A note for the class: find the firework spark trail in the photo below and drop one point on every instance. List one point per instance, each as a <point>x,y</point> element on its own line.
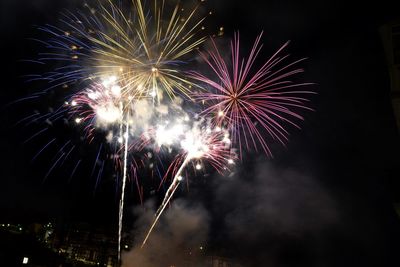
<point>168,195</point>
<point>122,200</point>
<point>200,142</point>
<point>175,182</point>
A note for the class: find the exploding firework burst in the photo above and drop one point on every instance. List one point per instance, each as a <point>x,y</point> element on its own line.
<point>250,101</point>
<point>145,50</point>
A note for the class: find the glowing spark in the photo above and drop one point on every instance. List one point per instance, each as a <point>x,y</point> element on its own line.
<point>153,93</point>
<point>93,95</point>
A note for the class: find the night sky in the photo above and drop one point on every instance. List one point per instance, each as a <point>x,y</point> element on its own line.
<point>324,200</point>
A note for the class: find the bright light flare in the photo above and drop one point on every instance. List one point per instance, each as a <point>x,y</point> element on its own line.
<point>108,113</point>
<point>116,90</point>
<point>167,136</point>
<point>193,144</point>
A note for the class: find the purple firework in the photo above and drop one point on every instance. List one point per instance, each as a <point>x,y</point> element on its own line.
<point>252,102</point>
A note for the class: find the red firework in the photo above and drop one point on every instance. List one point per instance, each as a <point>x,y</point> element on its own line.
<point>252,102</point>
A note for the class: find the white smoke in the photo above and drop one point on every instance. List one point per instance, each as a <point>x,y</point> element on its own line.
<point>175,240</point>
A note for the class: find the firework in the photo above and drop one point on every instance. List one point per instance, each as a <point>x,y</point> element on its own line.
<point>164,45</point>
<point>200,142</point>
<point>143,49</point>
<point>252,102</point>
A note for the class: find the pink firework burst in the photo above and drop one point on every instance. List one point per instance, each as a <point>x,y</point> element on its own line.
<point>253,103</point>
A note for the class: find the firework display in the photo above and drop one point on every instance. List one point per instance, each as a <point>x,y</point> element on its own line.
<point>130,73</point>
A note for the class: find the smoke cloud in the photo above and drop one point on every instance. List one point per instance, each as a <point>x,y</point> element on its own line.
<point>182,230</point>
<point>278,209</point>
<point>282,199</point>
<point>285,212</point>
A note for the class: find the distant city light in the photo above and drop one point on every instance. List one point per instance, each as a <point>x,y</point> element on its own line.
<point>25,260</point>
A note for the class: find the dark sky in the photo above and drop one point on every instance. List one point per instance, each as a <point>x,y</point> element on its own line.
<point>325,200</point>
